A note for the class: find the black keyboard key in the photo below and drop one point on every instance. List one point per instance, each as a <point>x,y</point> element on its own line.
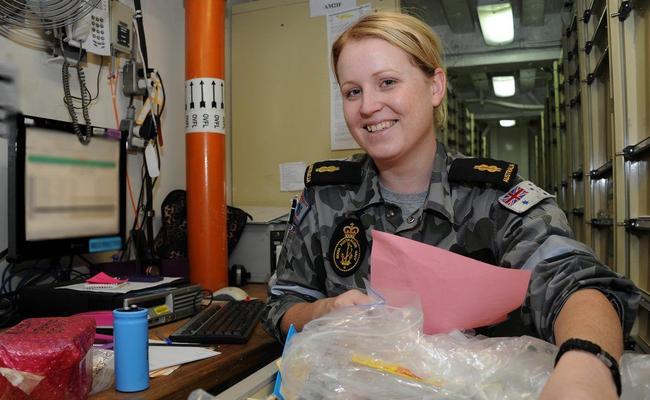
<point>202,318</point>
<point>232,322</point>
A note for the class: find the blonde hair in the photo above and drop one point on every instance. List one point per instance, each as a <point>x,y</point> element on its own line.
<point>406,32</point>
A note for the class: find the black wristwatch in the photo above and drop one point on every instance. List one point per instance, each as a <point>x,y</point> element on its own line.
<point>593,348</point>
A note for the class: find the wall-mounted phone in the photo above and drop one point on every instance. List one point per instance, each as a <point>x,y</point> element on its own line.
<point>93,32</point>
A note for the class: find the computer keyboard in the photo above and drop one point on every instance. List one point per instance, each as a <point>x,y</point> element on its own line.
<point>230,322</point>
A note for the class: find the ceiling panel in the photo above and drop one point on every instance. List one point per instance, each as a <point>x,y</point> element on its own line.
<point>458,14</point>
<point>470,63</point>
<point>532,12</point>
<point>527,79</point>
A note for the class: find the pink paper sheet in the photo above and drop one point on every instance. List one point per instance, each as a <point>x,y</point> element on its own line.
<point>103,278</point>
<point>456,292</point>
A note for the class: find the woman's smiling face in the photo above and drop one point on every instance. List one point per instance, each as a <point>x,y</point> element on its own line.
<point>387,100</point>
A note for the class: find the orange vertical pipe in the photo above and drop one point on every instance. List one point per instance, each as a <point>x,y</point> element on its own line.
<point>205,150</point>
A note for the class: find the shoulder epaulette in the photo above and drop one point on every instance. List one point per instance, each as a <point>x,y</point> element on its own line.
<point>333,173</point>
<point>501,174</point>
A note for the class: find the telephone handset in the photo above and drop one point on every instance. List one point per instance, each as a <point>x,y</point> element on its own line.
<point>92,33</point>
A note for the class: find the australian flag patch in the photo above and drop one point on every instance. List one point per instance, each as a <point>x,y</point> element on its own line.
<point>523,196</point>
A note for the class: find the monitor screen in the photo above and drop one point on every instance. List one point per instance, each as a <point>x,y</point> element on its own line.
<point>65,197</point>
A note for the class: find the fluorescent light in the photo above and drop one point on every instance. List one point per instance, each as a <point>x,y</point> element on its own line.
<point>504,86</point>
<point>507,123</point>
<point>496,23</point>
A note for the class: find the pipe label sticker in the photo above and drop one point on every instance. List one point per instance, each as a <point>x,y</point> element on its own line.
<point>204,105</point>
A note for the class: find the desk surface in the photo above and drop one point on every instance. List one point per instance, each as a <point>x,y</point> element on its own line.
<point>235,362</point>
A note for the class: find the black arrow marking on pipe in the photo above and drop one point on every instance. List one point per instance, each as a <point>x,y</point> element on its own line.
<point>191,95</point>
<point>202,102</point>
<point>222,96</point>
<point>214,100</point>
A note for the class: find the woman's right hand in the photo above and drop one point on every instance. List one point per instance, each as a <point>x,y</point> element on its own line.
<point>352,297</point>
<point>301,313</point>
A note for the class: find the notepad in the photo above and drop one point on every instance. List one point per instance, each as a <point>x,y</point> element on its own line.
<point>104,285</point>
<point>126,288</point>
<point>103,281</point>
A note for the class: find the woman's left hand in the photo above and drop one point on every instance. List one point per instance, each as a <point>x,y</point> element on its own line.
<point>580,376</point>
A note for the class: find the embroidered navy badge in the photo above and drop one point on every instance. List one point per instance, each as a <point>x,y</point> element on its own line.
<point>347,247</point>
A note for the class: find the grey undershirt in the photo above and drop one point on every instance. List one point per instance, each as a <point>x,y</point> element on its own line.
<point>408,202</point>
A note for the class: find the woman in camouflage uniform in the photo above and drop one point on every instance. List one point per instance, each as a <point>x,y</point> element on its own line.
<point>393,85</point>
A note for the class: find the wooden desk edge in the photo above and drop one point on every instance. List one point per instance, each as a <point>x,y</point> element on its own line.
<point>233,361</point>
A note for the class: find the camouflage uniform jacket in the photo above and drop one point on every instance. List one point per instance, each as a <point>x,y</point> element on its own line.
<point>463,218</point>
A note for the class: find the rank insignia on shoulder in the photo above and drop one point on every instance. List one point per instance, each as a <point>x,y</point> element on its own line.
<point>347,247</point>
<point>333,173</point>
<point>484,170</point>
<point>523,196</point>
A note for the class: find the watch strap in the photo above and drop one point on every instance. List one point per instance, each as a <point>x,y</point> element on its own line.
<point>593,348</point>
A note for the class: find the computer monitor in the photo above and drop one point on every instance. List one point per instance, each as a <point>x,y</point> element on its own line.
<point>65,198</point>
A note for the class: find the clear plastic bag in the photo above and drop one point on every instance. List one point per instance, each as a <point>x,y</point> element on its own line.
<point>103,370</point>
<point>635,375</point>
<point>379,352</point>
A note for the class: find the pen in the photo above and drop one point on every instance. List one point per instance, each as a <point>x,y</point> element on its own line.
<point>294,202</point>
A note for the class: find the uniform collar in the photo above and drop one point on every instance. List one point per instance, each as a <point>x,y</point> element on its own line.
<point>368,193</point>
<point>439,196</point>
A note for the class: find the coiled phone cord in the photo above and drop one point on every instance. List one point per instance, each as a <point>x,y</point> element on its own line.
<point>84,138</point>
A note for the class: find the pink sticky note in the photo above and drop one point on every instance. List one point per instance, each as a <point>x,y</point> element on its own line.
<point>456,292</point>
<point>102,278</point>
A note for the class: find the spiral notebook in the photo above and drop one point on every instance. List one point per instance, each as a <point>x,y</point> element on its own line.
<point>104,281</point>
<point>125,287</point>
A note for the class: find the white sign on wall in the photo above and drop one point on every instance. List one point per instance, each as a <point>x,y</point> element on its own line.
<point>292,176</point>
<point>340,137</point>
<point>326,7</point>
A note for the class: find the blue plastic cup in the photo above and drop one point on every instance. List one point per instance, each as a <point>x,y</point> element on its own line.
<point>130,331</point>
